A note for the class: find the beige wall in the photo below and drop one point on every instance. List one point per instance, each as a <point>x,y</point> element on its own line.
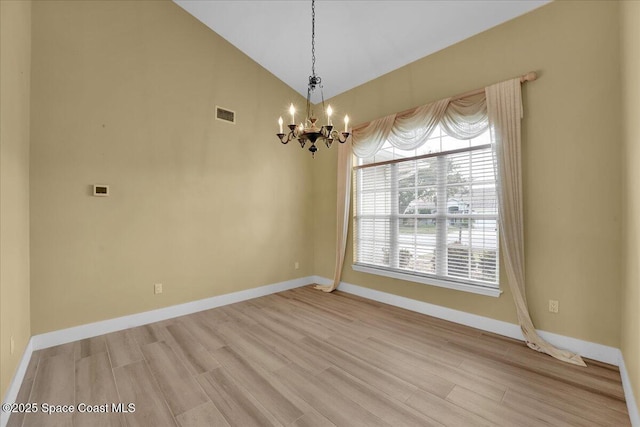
<point>15,65</point>
<point>571,162</point>
<point>630,49</point>
<point>123,94</point>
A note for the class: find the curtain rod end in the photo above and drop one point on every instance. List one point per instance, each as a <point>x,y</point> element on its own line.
<point>529,77</point>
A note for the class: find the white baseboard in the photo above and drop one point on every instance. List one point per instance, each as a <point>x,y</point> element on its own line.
<point>89,330</point>
<point>16,382</point>
<point>595,351</point>
<point>588,349</point>
<point>632,407</point>
<point>63,336</point>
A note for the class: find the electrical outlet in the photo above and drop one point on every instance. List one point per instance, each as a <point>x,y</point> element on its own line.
<point>296,265</point>
<point>12,345</point>
<point>157,288</point>
<point>553,306</point>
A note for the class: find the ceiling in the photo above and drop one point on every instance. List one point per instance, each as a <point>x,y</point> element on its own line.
<point>356,41</point>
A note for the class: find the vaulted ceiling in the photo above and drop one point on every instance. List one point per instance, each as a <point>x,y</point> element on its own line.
<point>356,41</point>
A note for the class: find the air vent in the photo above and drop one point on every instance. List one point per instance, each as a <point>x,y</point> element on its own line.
<point>225,115</point>
<point>100,190</point>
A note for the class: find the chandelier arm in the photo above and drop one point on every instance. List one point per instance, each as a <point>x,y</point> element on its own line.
<point>340,136</point>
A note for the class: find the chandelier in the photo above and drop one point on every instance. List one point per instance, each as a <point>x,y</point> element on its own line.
<point>308,131</point>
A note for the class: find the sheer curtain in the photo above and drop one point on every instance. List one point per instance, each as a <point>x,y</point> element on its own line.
<point>342,213</point>
<point>498,109</point>
<point>504,102</point>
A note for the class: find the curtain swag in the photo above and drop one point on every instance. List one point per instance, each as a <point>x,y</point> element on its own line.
<point>463,118</point>
<point>498,109</point>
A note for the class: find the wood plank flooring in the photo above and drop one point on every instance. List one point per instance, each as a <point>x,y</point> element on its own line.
<point>306,358</point>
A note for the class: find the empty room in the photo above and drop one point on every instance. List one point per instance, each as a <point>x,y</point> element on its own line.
<point>319,213</point>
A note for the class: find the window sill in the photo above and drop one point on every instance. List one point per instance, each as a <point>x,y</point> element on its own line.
<point>481,290</point>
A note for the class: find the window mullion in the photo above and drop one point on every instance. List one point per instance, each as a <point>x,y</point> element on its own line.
<point>393,219</point>
<point>415,220</point>
<point>470,212</point>
<point>359,185</point>
<point>441,216</point>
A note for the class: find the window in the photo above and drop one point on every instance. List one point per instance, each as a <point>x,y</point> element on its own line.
<point>429,215</point>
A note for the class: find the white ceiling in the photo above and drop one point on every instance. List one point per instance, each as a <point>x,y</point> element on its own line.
<point>356,41</point>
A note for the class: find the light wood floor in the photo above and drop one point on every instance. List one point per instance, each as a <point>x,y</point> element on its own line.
<point>306,358</point>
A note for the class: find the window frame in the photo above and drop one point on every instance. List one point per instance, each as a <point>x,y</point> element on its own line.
<point>393,271</point>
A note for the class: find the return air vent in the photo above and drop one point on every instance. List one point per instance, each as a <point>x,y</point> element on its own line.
<point>225,115</point>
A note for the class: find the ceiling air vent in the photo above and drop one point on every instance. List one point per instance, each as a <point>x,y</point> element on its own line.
<point>225,115</point>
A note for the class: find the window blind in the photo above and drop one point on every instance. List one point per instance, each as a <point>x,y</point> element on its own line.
<point>431,214</point>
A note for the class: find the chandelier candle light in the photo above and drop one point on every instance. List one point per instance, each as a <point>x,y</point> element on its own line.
<point>308,131</point>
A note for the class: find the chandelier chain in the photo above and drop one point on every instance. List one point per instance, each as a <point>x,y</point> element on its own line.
<point>313,38</point>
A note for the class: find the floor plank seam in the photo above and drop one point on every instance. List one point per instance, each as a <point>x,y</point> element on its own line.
<point>157,384</point>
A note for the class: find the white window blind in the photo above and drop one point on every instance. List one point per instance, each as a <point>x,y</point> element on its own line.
<point>431,213</point>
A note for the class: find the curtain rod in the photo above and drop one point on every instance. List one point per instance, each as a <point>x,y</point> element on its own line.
<point>529,77</point>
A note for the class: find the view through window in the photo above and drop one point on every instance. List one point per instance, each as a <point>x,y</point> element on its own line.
<point>430,212</point>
